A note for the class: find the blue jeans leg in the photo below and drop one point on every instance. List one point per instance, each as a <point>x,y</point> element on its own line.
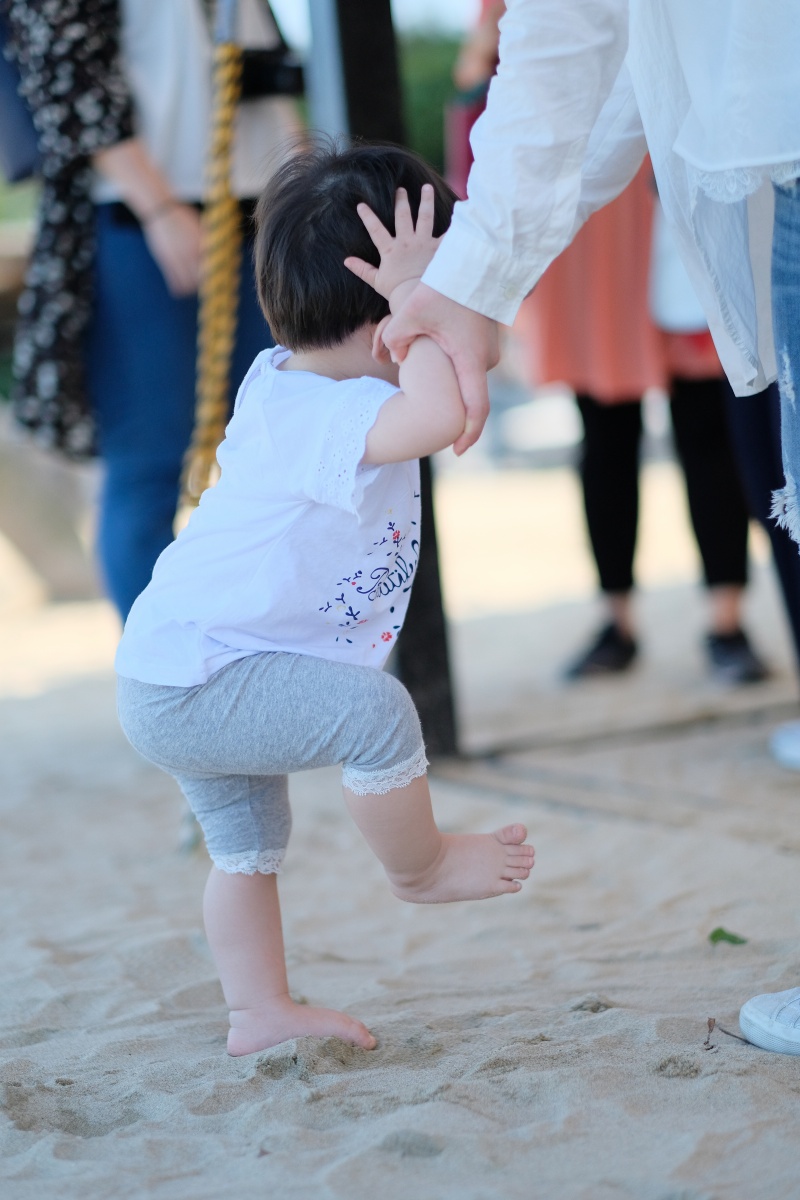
<point>786,325</point>
<point>141,373</point>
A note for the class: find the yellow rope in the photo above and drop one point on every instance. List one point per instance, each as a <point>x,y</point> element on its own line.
<point>219,284</point>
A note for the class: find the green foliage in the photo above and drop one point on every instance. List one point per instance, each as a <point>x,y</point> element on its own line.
<point>722,935</point>
<point>17,200</point>
<point>5,376</point>
<point>426,64</point>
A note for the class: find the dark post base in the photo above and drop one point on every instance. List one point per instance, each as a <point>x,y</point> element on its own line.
<point>422,653</point>
<point>375,111</point>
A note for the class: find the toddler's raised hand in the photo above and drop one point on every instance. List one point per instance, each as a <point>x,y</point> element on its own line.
<point>405,256</point>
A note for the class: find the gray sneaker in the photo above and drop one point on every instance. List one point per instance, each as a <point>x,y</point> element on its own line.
<point>772,1021</point>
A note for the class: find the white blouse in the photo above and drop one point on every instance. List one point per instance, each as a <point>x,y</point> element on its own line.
<point>580,83</point>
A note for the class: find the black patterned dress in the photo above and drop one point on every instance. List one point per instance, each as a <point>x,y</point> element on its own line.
<point>69,61</point>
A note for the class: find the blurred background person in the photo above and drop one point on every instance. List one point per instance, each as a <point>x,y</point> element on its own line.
<point>616,352</point>
<point>472,72</point>
<point>107,338</point>
<point>588,324</point>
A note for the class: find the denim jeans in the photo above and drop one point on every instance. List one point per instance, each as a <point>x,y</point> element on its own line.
<point>786,326</point>
<point>142,349</point>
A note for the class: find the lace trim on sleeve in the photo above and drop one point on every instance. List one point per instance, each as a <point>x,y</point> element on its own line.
<point>735,184</point>
<point>343,448</point>
<point>378,783</point>
<point>263,862</point>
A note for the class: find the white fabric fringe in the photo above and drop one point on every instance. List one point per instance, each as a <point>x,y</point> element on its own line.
<point>264,862</point>
<point>378,783</point>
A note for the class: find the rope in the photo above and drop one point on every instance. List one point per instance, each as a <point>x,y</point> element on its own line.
<point>219,284</point>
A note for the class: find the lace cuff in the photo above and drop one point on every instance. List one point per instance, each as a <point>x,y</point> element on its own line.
<point>262,862</point>
<point>738,182</point>
<point>378,783</point>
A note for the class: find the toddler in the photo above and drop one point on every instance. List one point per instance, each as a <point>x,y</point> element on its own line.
<point>257,648</point>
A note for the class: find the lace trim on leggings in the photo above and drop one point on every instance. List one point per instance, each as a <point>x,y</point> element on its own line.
<point>378,783</point>
<point>263,862</point>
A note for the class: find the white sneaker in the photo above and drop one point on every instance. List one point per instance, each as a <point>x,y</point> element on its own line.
<point>785,745</point>
<point>772,1021</point>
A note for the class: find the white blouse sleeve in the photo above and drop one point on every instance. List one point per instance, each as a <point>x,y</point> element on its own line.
<point>334,475</point>
<point>559,60</point>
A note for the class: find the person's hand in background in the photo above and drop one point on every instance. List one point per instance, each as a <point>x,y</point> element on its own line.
<point>172,229</point>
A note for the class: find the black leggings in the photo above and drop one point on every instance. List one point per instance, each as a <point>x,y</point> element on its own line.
<point>610,475</point>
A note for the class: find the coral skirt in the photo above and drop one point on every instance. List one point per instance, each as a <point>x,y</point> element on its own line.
<point>588,323</point>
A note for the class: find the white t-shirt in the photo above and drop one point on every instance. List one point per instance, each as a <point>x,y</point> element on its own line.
<point>297,548</point>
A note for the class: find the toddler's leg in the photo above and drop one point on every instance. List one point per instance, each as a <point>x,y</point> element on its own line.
<point>246,821</point>
<point>243,925</point>
<point>425,866</point>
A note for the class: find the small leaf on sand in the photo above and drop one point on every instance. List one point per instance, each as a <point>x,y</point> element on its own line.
<point>722,935</point>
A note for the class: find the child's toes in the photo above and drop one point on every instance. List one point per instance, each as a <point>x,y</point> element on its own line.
<point>511,834</point>
<point>515,871</point>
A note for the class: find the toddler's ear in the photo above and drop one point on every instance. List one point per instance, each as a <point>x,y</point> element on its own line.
<point>380,351</point>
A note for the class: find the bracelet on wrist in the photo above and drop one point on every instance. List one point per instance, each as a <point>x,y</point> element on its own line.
<point>160,209</point>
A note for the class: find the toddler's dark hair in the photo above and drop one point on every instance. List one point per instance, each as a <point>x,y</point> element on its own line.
<point>307,224</point>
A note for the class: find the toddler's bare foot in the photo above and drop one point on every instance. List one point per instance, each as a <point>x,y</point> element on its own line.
<point>280,1019</point>
<point>471,867</point>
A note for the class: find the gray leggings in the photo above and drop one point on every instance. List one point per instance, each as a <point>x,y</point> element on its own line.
<point>232,741</point>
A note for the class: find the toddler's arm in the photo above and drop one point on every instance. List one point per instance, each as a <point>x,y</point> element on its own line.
<point>428,413</point>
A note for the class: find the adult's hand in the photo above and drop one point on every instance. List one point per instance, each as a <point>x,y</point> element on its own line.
<point>175,239</point>
<point>172,229</point>
<point>468,339</point>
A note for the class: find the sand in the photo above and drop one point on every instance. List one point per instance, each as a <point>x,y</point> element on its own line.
<point>546,1046</point>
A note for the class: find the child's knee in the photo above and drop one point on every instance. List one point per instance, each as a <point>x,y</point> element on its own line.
<point>393,751</point>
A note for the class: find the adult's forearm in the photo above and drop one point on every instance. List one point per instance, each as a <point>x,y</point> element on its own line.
<point>142,184</point>
<point>558,63</point>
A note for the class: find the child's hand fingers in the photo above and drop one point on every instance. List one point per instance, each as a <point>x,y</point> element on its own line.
<point>363,270</point>
<point>403,222</point>
<point>426,211</point>
<point>379,234</point>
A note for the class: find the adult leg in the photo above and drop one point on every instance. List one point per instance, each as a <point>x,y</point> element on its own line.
<point>720,520</point>
<point>609,471</point>
<point>142,349</point>
<point>141,357</point>
<point>772,1021</point>
<point>786,327</point>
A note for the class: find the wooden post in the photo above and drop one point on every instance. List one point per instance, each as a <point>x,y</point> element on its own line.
<point>370,77</point>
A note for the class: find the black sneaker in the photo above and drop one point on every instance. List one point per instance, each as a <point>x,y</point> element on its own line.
<point>733,660</point>
<point>611,652</point>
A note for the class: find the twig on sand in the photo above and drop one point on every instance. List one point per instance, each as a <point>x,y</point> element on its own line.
<point>722,1029</point>
<point>708,1044</point>
<point>712,1025</point>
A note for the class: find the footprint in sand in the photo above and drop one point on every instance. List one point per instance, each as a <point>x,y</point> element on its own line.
<point>64,1107</point>
<point>410,1144</point>
<point>678,1066</point>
